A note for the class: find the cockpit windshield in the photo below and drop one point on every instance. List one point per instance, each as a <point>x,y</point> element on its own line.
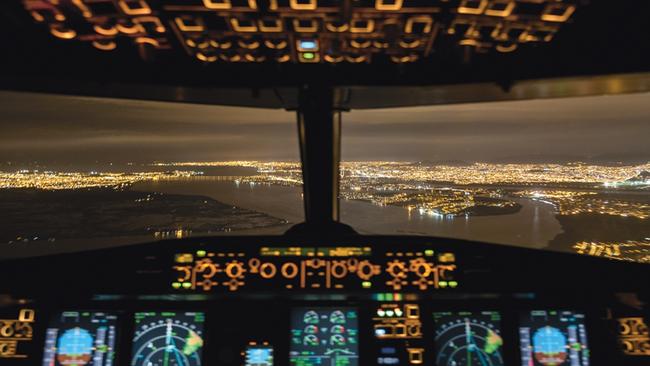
<point>567,174</point>
<point>83,173</point>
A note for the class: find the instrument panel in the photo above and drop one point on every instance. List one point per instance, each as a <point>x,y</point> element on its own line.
<point>328,333</point>
<point>363,301</point>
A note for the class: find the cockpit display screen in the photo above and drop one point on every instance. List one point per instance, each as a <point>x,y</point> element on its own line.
<point>326,336</point>
<point>81,338</point>
<point>468,338</point>
<point>168,338</point>
<point>259,356</point>
<point>553,338</point>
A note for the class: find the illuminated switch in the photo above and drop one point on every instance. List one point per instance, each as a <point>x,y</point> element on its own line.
<point>446,257</point>
<point>416,356</point>
<point>307,45</point>
<point>501,8</point>
<point>305,25</point>
<point>308,57</point>
<point>184,258</point>
<point>138,7</point>
<point>400,330</point>
<point>383,331</point>
<point>412,311</point>
<point>415,331</point>
<point>270,25</point>
<point>362,26</point>
<point>303,4</point>
<point>388,4</point>
<point>217,4</point>
<point>473,7</point>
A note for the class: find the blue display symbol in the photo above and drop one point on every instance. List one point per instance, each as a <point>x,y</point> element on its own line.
<point>308,45</point>
<point>75,347</point>
<point>259,356</point>
<point>550,346</point>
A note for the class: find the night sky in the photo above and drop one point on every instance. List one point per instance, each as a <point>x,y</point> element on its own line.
<point>80,130</point>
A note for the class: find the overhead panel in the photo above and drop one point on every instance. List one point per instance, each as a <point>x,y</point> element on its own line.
<point>303,31</point>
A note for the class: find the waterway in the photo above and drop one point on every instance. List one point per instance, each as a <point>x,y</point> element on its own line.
<point>532,227</point>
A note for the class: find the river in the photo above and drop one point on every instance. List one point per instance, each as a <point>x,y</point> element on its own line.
<point>532,227</point>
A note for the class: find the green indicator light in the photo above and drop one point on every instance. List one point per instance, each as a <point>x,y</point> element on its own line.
<point>443,284</point>
<point>308,55</point>
<point>380,297</point>
<point>201,253</point>
<point>366,284</point>
<point>453,284</point>
<point>176,285</point>
<point>389,297</point>
<point>428,252</point>
<point>187,285</point>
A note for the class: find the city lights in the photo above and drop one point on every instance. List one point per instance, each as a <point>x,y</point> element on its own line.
<point>50,180</point>
<point>442,192</point>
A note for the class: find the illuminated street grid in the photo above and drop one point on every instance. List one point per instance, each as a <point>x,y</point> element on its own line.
<point>450,191</point>
<point>638,251</point>
<point>441,190</point>
<point>484,173</point>
<point>577,202</point>
<point>438,190</point>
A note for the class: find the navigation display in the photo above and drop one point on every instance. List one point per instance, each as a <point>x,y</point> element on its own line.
<point>80,339</point>
<point>168,339</point>
<point>259,356</point>
<point>324,337</point>
<point>468,338</point>
<point>553,338</point>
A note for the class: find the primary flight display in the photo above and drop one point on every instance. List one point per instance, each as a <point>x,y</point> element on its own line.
<point>81,338</point>
<point>553,338</point>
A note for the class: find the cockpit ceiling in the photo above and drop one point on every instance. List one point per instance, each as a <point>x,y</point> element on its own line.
<point>303,31</point>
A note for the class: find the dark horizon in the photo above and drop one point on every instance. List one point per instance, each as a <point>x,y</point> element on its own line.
<point>81,131</point>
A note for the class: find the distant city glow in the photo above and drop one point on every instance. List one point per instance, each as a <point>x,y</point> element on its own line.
<point>50,180</point>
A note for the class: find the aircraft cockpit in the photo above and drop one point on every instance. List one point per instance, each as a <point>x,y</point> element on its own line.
<point>174,280</point>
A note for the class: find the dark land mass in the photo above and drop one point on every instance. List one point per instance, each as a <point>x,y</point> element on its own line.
<point>32,214</point>
<point>483,207</point>
<point>598,228</point>
<point>631,196</point>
